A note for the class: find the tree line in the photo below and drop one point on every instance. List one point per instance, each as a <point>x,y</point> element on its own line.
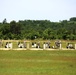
<point>38,29</point>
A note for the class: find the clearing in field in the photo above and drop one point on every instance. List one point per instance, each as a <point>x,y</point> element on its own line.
<point>38,62</point>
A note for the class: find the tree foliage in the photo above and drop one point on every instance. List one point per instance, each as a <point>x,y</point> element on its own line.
<point>36,29</point>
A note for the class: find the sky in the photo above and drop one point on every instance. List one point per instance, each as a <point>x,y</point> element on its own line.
<point>53,10</point>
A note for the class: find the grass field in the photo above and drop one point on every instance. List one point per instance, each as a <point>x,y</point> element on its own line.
<point>37,62</point>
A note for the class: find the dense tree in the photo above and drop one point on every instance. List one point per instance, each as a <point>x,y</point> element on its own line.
<point>15,28</point>
<point>4,21</point>
<point>35,29</point>
<point>5,29</point>
<point>73,19</point>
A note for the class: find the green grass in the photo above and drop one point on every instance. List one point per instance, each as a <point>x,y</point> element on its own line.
<point>37,62</point>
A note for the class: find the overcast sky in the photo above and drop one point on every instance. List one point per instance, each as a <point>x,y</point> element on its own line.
<point>53,10</point>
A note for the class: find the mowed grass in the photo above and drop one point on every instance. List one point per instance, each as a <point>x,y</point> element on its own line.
<point>38,62</point>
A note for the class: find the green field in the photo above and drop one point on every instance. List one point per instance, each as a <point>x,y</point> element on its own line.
<point>38,62</point>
